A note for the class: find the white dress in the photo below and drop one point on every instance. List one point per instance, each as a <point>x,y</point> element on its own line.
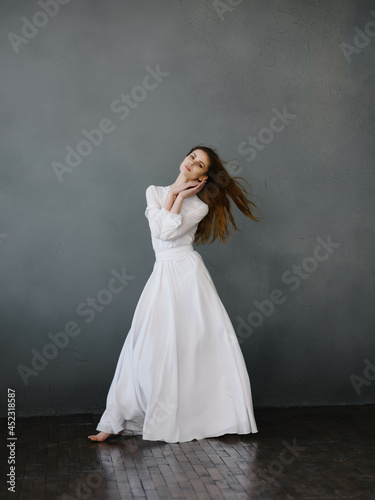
<point>181,374</point>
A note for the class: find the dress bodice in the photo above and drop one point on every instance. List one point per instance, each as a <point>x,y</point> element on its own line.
<point>168,229</point>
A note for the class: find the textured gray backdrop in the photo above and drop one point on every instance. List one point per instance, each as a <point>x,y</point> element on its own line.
<point>227,71</point>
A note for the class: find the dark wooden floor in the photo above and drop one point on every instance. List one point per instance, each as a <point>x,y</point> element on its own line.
<point>321,452</point>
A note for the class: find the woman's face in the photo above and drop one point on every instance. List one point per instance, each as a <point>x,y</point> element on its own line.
<point>195,166</point>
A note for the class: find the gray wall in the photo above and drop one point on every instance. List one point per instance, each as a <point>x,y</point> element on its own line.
<point>227,75</point>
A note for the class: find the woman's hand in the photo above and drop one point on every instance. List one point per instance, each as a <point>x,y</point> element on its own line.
<point>189,188</point>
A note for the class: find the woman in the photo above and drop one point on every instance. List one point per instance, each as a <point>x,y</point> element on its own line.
<point>181,374</point>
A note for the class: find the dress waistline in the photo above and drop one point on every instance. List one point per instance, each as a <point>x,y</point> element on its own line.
<point>173,252</point>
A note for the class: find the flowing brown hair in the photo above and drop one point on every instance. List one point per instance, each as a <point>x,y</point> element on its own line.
<point>220,186</point>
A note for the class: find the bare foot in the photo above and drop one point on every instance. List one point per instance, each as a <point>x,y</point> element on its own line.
<point>102,436</point>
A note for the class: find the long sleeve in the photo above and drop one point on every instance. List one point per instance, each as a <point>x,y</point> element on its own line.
<point>166,225</point>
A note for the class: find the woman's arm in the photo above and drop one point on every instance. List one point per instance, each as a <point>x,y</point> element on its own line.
<point>168,225</point>
<point>177,195</point>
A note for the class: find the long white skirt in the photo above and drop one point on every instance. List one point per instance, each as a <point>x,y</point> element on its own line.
<point>181,374</point>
